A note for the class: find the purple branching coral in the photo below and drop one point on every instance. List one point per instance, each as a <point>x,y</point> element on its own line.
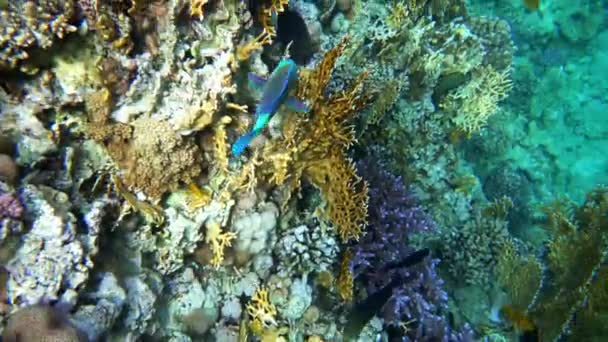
<point>418,304</point>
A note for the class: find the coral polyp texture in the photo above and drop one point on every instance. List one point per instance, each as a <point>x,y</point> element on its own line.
<point>29,25</point>
<point>389,189</point>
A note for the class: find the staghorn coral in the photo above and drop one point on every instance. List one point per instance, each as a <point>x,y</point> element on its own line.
<point>566,299</point>
<point>218,241</point>
<point>313,146</point>
<point>419,301</point>
<point>26,25</point>
<point>261,311</point>
<point>474,102</point>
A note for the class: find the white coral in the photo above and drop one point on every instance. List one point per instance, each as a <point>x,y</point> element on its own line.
<point>255,231</point>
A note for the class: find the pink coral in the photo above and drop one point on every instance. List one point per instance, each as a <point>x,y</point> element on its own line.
<point>10,206</point>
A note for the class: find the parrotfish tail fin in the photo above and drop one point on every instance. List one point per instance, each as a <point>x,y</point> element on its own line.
<point>256,82</point>
<point>242,142</point>
<point>296,105</point>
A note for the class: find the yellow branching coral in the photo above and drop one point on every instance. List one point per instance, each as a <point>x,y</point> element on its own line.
<point>151,212</point>
<point>314,145</point>
<point>243,52</point>
<point>268,33</point>
<point>218,242</point>
<point>275,7</point>
<point>261,311</point>
<point>345,280</point>
<point>197,8</point>
<point>198,197</point>
<point>570,286</point>
<point>474,102</point>
<point>220,146</point>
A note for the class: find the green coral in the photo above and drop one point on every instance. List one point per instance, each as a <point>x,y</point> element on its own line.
<point>574,281</point>
<point>471,251</point>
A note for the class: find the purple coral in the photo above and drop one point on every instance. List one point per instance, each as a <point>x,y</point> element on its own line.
<point>394,214</point>
<point>10,206</point>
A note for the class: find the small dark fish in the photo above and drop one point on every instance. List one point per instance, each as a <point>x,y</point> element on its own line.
<point>292,29</point>
<point>408,261</point>
<point>366,309</point>
<point>523,324</point>
<point>533,6</point>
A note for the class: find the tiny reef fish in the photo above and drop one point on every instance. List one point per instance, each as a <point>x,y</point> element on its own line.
<point>364,310</point>
<point>528,331</point>
<point>532,5</point>
<point>274,93</point>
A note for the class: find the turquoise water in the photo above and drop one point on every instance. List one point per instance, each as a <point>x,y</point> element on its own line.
<point>429,170</point>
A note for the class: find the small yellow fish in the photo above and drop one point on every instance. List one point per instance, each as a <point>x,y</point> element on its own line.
<point>518,318</point>
<point>532,5</point>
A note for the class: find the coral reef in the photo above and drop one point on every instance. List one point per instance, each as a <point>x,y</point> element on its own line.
<point>471,252</point>
<point>53,261</point>
<point>304,249</point>
<point>125,216</point>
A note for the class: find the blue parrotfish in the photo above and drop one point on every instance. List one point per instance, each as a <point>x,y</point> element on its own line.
<point>274,93</point>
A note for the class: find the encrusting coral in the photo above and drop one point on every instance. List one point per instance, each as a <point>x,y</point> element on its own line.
<point>152,156</point>
<point>40,323</point>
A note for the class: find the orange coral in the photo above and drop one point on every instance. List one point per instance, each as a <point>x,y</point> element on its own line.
<point>345,280</point>
<point>218,242</point>
<point>261,310</point>
<point>265,38</point>
<point>197,8</point>
<point>153,157</point>
<point>316,146</point>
